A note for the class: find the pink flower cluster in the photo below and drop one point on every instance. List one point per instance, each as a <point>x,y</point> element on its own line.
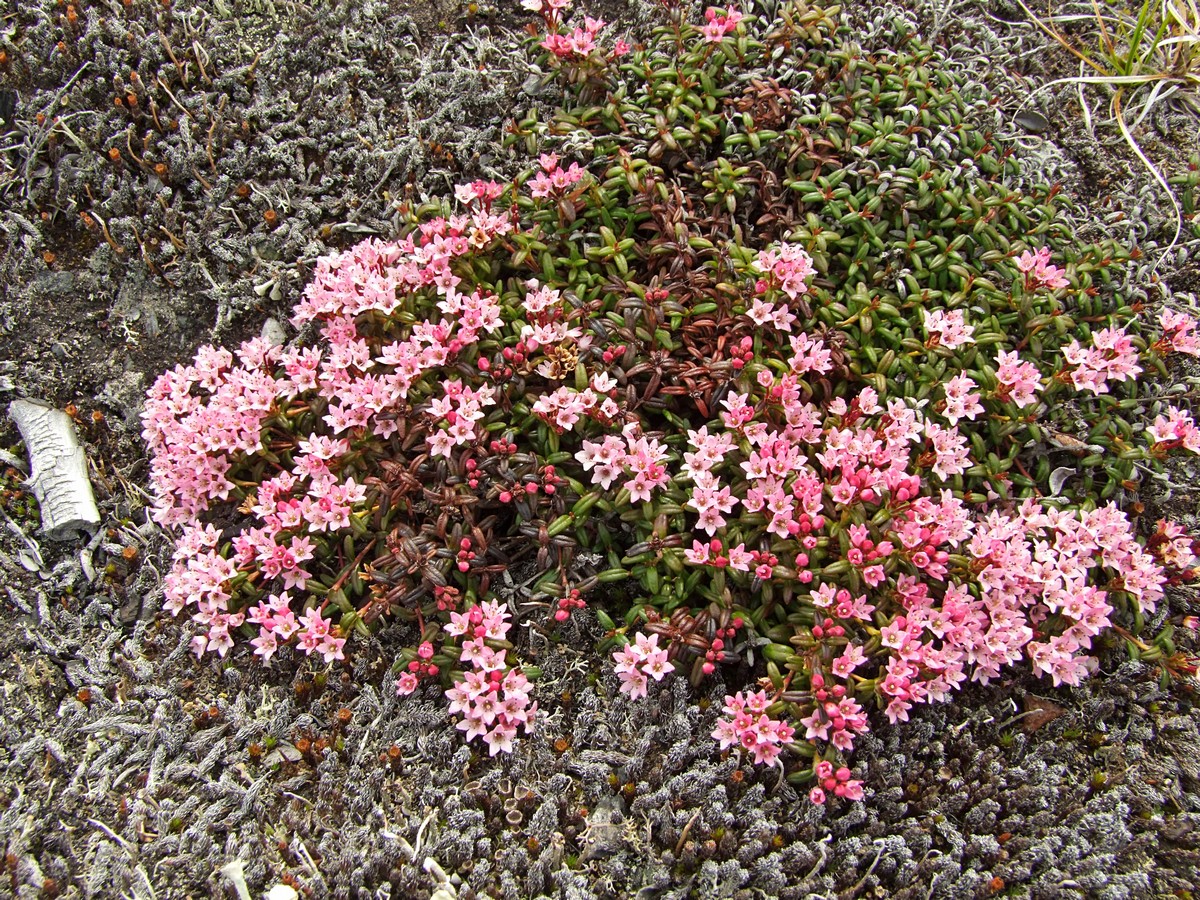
<point>1174,546</point>
<point>579,44</point>
<point>319,635</point>
<point>717,24</point>
<point>1111,356</point>
<point>638,662</point>
<point>962,400</point>
<point>1039,273</point>
<point>485,191</point>
<point>201,576</point>
<point>747,725</point>
<point>948,328</point>
<point>200,419</point>
<point>712,553</point>
<point>553,180</point>
<point>1037,564</point>
<point>836,717</point>
<point>1179,333</point>
<point>787,266</point>
<point>458,410</point>
<point>1040,584</point>
<point>1175,429</point>
<point>493,702</point>
<point>631,454</point>
<point>197,417</point>
<point>276,622</point>
<point>1019,381</point>
<point>551,9</point>
<point>837,783</point>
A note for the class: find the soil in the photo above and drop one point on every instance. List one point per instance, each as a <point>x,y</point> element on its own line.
<point>129,769</point>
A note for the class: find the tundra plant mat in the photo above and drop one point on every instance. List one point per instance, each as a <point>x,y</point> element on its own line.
<point>128,769</point>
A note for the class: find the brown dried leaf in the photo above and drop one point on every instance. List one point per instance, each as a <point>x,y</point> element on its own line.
<point>1038,712</point>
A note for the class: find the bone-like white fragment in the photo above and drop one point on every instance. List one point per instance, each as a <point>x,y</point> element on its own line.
<point>273,331</point>
<point>59,480</point>
<point>235,874</point>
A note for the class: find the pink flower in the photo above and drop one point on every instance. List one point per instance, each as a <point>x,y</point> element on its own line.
<point>1179,333</point>
<point>406,684</point>
<point>948,328</point>
<point>717,24</point>
<point>636,663</point>
<point>746,724</point>
<point>1019,380</point>
<point>1038,271</point>
<point>634,683</point>
<point>265,645</point>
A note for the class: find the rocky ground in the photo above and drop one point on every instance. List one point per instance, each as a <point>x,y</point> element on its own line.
<point>168,175</point>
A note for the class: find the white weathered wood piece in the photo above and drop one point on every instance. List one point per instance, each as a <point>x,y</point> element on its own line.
<point>59,480</point>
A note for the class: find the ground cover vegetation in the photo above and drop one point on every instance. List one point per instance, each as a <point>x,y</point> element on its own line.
<point>771,357</point>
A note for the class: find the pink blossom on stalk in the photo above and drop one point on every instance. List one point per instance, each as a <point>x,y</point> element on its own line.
<point>1111,356</point>
<point>850,659</point>
<point>746,724</point>
<point>494,703</point>
<point>961,400</point>
<point>951,451</point>
<point>554,180</point>
<point>809,355</point>
<point>551,9</point>
<point>1019,380</point>
<point>1174,545</point>
<point>265,645</point>
<point>833,782</point>
<point>788,265</point>
<point>948,328</point>
<point>1176,427</point>
<point>718,24</point>
<point>1179,333</point>
<point>638,662</point>
<point>406,683</point>
<point>1038,272</point>
<point>606,458</point>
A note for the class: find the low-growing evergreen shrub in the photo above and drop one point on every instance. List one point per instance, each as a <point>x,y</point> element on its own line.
<point>771,335</point>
